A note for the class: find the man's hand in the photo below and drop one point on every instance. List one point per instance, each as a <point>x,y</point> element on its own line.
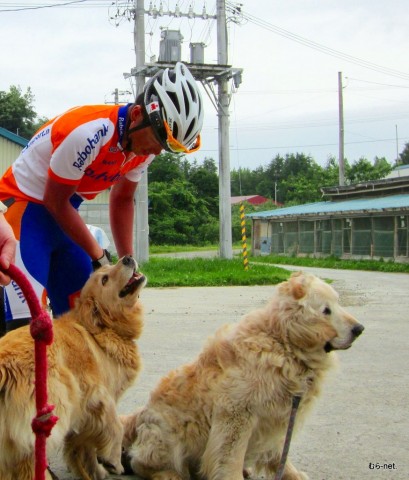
<point>104,260</point>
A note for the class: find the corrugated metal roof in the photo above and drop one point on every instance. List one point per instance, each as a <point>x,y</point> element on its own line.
<point>13,137</point>
<point>322,208</point>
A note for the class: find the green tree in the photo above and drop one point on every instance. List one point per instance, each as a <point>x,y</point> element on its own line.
<point>17,112</point>
<point>205,180</point>
<point>381,167</point>
<point>166,168</point>
<point>178,216</point>
<point>404,156</point>
<point>331,172</point>
<point>363,170</point>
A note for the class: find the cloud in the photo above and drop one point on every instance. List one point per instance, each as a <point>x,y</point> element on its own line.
<point>288,100</point>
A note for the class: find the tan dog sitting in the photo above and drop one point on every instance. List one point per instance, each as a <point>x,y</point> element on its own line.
<point>227,412</point>
<point>92,361</point>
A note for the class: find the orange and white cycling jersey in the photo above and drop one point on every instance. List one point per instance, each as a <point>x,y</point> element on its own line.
<point>80,147</point>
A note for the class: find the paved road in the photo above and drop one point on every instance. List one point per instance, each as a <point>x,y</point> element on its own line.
<point>360,421</point>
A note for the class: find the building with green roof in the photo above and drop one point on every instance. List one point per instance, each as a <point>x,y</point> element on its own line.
<point>366,220</point>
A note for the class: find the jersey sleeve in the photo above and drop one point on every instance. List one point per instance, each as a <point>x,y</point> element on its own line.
<point>135,174</point>
<point>75,151</point>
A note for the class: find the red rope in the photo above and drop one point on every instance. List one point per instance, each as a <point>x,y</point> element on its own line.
<point>41,329</point>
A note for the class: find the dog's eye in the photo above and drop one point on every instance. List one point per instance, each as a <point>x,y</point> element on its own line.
<point>326,311</point>
<point>104,279</point>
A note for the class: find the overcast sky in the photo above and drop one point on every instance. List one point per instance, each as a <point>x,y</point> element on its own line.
<point>288,101</point>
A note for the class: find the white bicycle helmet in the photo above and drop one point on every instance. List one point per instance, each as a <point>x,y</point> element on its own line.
<point>175,108</point>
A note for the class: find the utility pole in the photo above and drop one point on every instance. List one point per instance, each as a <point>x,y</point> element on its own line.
<point>226,247</point>
<point>141,195</point>
<point>341,132</point>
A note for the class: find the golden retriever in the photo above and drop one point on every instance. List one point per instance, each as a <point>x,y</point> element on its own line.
<point>227,412</point>
<point>91,362</point>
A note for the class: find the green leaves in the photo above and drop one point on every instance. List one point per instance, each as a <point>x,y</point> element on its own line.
<point>17,112</point>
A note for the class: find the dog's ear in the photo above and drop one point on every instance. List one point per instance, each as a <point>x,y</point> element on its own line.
<point>295,286</point>
<point>89,316</point>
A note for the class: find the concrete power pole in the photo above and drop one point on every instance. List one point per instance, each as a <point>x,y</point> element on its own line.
<point>226,249</point>
<point>141,196</point>
<point>341,132</point>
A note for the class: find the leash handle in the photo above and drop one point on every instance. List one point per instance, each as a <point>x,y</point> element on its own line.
<point>41,329</point>
<point>295,403</point>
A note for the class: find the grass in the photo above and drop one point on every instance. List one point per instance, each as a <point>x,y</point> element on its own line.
<point>154,249</point>
<point>204,272</point>
<point>333,262</point>
<point>217,272</point>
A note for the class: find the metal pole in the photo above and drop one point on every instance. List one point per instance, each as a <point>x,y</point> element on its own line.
<point>226,248</point>
<point>141,195</point>
<point>341,132</point>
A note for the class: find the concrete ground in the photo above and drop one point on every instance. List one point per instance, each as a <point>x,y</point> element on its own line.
<point>359,428</point>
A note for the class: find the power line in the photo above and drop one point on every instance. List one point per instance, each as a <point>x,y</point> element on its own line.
<point>304,146</point>
<point>319,47</point>
<point>377,83</point>
<point>23,6</point>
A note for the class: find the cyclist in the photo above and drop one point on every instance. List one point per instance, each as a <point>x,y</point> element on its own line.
<point>75,156</point>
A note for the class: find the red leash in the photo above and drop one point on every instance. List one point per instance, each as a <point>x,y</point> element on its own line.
<point>41,329</point>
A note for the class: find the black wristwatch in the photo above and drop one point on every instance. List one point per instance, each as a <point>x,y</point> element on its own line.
<point>104,260</point>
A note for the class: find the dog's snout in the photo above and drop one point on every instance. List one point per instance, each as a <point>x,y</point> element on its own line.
<point>357,330</point>
<point>128,260</point>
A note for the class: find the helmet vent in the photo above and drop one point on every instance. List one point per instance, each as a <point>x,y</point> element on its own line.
<point>186,101</point>
<point>175,100</point>
<point>175,130</point>
<point>192,92</point>
<point>189,130</point>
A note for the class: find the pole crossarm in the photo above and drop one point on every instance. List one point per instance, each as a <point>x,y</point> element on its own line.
<point>208,72</point>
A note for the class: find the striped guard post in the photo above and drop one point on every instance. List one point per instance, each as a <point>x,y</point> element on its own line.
<point>243,237</point>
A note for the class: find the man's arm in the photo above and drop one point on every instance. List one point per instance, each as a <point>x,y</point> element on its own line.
<point>57,201</point>
<point>121,215</point>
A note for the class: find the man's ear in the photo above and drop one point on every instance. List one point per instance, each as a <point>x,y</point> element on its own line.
<point>136,113</point>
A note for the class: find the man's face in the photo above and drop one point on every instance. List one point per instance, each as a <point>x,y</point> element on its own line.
<point>141,141</point>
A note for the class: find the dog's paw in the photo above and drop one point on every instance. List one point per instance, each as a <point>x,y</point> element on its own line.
<point>114,468</point>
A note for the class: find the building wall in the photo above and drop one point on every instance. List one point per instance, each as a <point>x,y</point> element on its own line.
<point>361,237</point>
<point>9,151</point>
